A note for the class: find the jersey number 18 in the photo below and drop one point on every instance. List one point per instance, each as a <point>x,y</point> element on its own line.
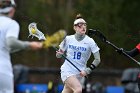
<point>77,55</point>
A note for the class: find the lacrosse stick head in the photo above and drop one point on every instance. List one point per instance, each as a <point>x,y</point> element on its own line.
<point>98,34</point>
<point>34,32</point>
<point>55,39</point>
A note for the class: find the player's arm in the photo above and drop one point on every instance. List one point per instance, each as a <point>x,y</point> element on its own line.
<point>134,51</point>
<point>94,64</point>
<point>95,50</point>
<point>15,45</point>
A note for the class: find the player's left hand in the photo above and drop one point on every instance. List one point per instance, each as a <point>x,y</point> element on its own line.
<point>83,73</point>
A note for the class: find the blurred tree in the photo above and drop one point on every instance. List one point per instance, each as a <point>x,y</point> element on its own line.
<point>117,19</point>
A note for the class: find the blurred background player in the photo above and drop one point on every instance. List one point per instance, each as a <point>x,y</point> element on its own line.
<point>78,48</point>
<point>133,53</point>
<point>9,31</point>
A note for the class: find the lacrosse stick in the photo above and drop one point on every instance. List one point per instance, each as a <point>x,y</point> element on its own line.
<point>51,41</point>
<point>48,41</point>
<point>103,38</point>
<point>34,32</point>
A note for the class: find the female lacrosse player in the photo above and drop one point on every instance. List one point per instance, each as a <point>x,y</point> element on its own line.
<point>78,48</point>
<point>133,53</point>
<point>9,31</point>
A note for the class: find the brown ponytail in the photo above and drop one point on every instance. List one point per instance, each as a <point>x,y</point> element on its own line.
<point>78,16</point>
<point>79,19</point>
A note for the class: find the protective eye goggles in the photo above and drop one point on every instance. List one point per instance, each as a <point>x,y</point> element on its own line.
<point>81,24</point>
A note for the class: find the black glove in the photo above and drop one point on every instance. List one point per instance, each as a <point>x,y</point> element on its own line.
<point>90,69</point>
<point>120,50</point>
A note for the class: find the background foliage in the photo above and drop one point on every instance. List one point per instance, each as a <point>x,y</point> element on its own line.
<point>117,19</point>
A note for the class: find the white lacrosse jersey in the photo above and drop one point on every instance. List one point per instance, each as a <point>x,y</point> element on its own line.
<point>8,28</point>
<point>78,52</point>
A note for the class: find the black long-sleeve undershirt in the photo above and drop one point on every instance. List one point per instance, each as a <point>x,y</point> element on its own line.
<point>133,52</point>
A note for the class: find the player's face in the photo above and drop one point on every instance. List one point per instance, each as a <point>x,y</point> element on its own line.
<point>81,28</point>
<point>12,12</point>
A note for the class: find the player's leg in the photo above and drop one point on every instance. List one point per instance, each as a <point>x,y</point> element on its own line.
<point>73,83</point>
<point>138,79</point>
<point>67,89</point>
<point>6,83</point>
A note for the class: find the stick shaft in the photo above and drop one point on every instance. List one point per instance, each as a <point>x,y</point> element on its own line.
<point>103,38</point>
<point>124,53</point>
<point>68,60</point>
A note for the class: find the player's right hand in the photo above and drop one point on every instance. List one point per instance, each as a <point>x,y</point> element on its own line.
<point>36,45</point>
<point>120,50</point>
<point>59,53</point>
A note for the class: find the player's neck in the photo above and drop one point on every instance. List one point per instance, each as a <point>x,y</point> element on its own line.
<point>79,37</point>
<point>6,15</point>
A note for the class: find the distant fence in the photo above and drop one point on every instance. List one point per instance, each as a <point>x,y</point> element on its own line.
<point>33,75</point>
<point>100,77</point>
